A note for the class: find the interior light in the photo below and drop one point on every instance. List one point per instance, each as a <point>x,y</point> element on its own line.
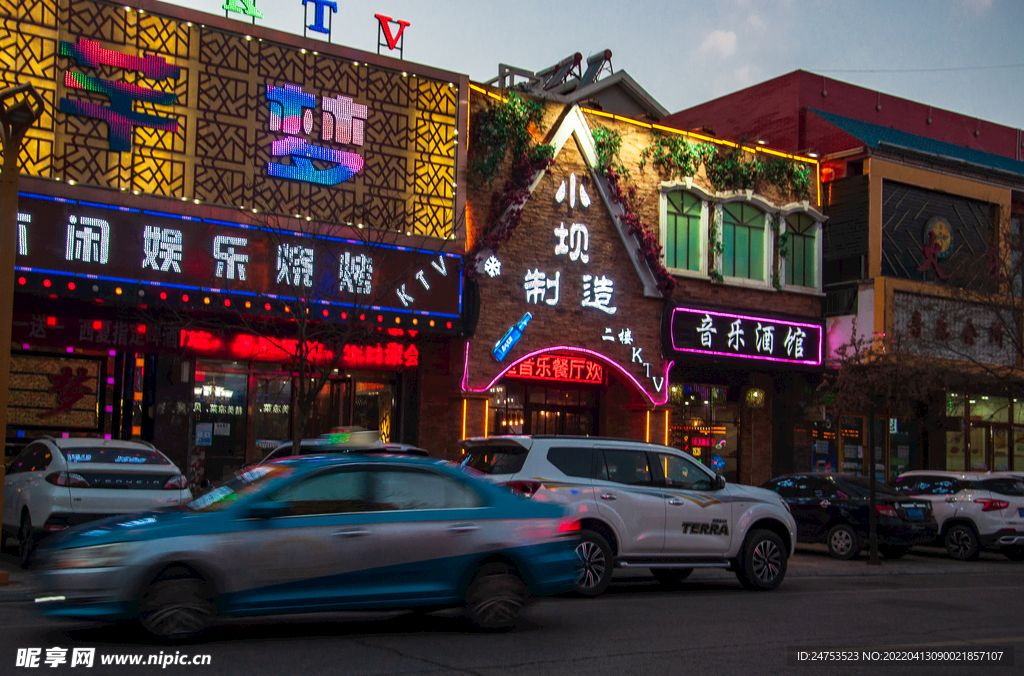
<point>71,286</point>
<point>184,298</point>
<point>118,291</point>
<point>206,300</point>
<point>163,295</point>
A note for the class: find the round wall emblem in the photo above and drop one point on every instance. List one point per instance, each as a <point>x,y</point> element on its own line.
<point>943,235</point>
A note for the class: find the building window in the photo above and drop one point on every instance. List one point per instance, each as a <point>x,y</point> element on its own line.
<point>683,231</point>
<point>802,257</point>
<point>743,241</point>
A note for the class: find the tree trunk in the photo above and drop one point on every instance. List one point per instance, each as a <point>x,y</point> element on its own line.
<point>872,512</point>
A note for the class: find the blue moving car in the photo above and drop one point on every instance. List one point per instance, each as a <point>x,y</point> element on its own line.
<point>317,533</point>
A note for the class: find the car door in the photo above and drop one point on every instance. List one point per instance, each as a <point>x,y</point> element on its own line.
<point>813,506</point>
<point>317,552</point>
<point>428,526</point>
<point>628,498</point>
<point>699,515</point>
<point>29,487</point>
<point>794,490</point>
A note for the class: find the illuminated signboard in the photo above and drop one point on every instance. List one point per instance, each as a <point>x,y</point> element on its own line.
<point>560,368</point>
<point>54,392</point>
<point>742,336</point>
<point>383,355</point>
<point>84,240</point>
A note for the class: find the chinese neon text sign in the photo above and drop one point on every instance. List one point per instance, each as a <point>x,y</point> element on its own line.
<point>247,346</point>
<point>342,121</point>
<point>748,337</point>
<point>119,116</point>
<point>559,368</point>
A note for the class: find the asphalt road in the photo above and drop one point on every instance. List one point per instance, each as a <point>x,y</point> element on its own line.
<point>710,626</point>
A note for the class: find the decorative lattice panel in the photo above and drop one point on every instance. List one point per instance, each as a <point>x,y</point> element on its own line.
<point>201,127</point>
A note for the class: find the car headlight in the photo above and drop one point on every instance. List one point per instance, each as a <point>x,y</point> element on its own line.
<point>94,556</point>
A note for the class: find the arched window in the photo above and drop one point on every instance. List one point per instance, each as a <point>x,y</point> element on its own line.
<point>743,241</point>
<point>683,249</point>
<point>802,257</point>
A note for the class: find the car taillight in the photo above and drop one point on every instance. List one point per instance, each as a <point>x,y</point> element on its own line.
<point>524,488</point>
<point>68,479</point>
<point>569,527</point>
<point>177,482</point>
<point>887,511</point>
<point>992,505</point>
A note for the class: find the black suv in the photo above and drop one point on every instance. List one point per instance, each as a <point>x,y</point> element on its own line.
<point>833,508</point>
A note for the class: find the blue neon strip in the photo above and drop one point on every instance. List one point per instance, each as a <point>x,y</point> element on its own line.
<point>179,217</point>
<point>46,198</point>
<point>110,207</point>
<point>203,289</point>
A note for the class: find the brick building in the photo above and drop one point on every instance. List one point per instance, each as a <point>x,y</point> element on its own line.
<point>894,173</point>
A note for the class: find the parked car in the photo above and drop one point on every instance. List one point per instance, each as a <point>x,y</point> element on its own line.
<point>56,483</point>
<point>644,506</point>
<point>834,509</point>
<point>312,534</point>
<point>974,510</point>
<point>329,443</point>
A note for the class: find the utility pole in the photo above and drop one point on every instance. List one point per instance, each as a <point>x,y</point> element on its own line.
<point>20,107</point>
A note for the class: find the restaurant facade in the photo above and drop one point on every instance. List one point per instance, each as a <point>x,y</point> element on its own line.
<point>195,185</point>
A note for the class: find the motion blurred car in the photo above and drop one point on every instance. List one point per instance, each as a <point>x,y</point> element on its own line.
<point>312,534</point>
<point>974,510</point>
<point>56,483</point>
<point>833,508</point>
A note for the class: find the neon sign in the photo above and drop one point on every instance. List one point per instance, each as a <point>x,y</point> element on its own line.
<point>318,21</point>
<point>560,368</point>
<point>392,39</point>
<point>342,121</point>
<point>246,7</point>
<point>725,334</point>
<point>390,355</point>
<point>119,116</point>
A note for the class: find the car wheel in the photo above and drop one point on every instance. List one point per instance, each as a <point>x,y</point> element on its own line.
<point>175,609</point>
<point>593,564</point>
<point>842,542</point>
<point>1014,553</point>
<point>763,561</point>
<point>495,597</point>
<point>962,542</point>
<point>893,551</point>
<point>671,577</point>
<point>26,541</point>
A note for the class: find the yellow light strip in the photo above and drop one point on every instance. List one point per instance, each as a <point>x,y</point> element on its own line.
<point>487,413</point>
<point>648,437</point>
<point>666,427</point>
<point>487,93</point>
<point>463,418</point>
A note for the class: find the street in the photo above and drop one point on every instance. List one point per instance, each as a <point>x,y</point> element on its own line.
<point>709,626</point>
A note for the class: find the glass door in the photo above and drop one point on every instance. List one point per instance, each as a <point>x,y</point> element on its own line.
<point>979,448</point>
<point>1000,449</point>
<point>219,410</point>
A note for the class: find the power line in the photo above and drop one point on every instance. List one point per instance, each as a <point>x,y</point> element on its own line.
<point>919,70</point>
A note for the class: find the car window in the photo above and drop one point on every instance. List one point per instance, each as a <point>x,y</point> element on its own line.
<point>930,485</point>
<point>678,472</point>
<point>239,486</point>
<point>35,458</point>
<point>785,487</point>
<point>496,459</point>
<point>578,462</point>
<point>626,467</point>
<point>401,489</point>
<point>334,492</point>
<point>1013,487</point>
<point>860,487</point>
<point>115,456</point>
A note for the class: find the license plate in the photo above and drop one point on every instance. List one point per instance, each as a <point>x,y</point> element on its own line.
<point>915,513</point>
<point>1020,511</point>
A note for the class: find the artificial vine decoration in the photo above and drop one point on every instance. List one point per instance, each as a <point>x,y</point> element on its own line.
<point>782,249</point>
<point>624,192</point>
<point>501,130</point>
<point>717,248</point>
<point>726,169</point>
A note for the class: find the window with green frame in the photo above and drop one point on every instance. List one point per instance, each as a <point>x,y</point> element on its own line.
<point>743,241</point>
<point>802,257</point>
<point>682,231</point>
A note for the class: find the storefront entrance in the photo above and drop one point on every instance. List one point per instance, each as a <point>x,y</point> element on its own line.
<point>518,408</point>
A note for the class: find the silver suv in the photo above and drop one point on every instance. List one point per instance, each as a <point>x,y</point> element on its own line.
<point>644,506</point>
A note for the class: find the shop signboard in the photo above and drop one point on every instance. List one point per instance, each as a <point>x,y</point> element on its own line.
<point>77,242</point>
<point>717,333</point>
<point>54,392</point>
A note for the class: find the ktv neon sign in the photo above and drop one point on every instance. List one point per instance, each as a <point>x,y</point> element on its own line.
<point>342,121</point>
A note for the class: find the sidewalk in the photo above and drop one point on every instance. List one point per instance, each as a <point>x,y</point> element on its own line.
<point>18,589</point>
<point>815,561</point>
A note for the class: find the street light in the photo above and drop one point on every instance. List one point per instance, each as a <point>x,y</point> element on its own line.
<point>20,107</point>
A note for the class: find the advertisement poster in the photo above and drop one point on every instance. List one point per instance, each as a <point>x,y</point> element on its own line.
<point>204,434</point>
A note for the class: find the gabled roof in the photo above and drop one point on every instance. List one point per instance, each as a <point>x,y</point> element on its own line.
<point>894,140</point>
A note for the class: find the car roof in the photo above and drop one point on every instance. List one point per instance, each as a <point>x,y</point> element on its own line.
<point>351,458</point>
<point>946,473</point>
<point>80,442</point>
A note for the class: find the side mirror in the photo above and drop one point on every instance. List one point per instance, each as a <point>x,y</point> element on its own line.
<point>719,482</point>
<point>267,510</point>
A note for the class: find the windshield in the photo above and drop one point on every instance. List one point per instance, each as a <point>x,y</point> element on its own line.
<point>116,456</point>
<point>859,487</point>
<point>495,459</point>
<point>239,486</point>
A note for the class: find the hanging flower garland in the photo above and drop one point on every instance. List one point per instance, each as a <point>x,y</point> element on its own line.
<point>715,240</point>
<point>503,130</point>
<point>624,192</point>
